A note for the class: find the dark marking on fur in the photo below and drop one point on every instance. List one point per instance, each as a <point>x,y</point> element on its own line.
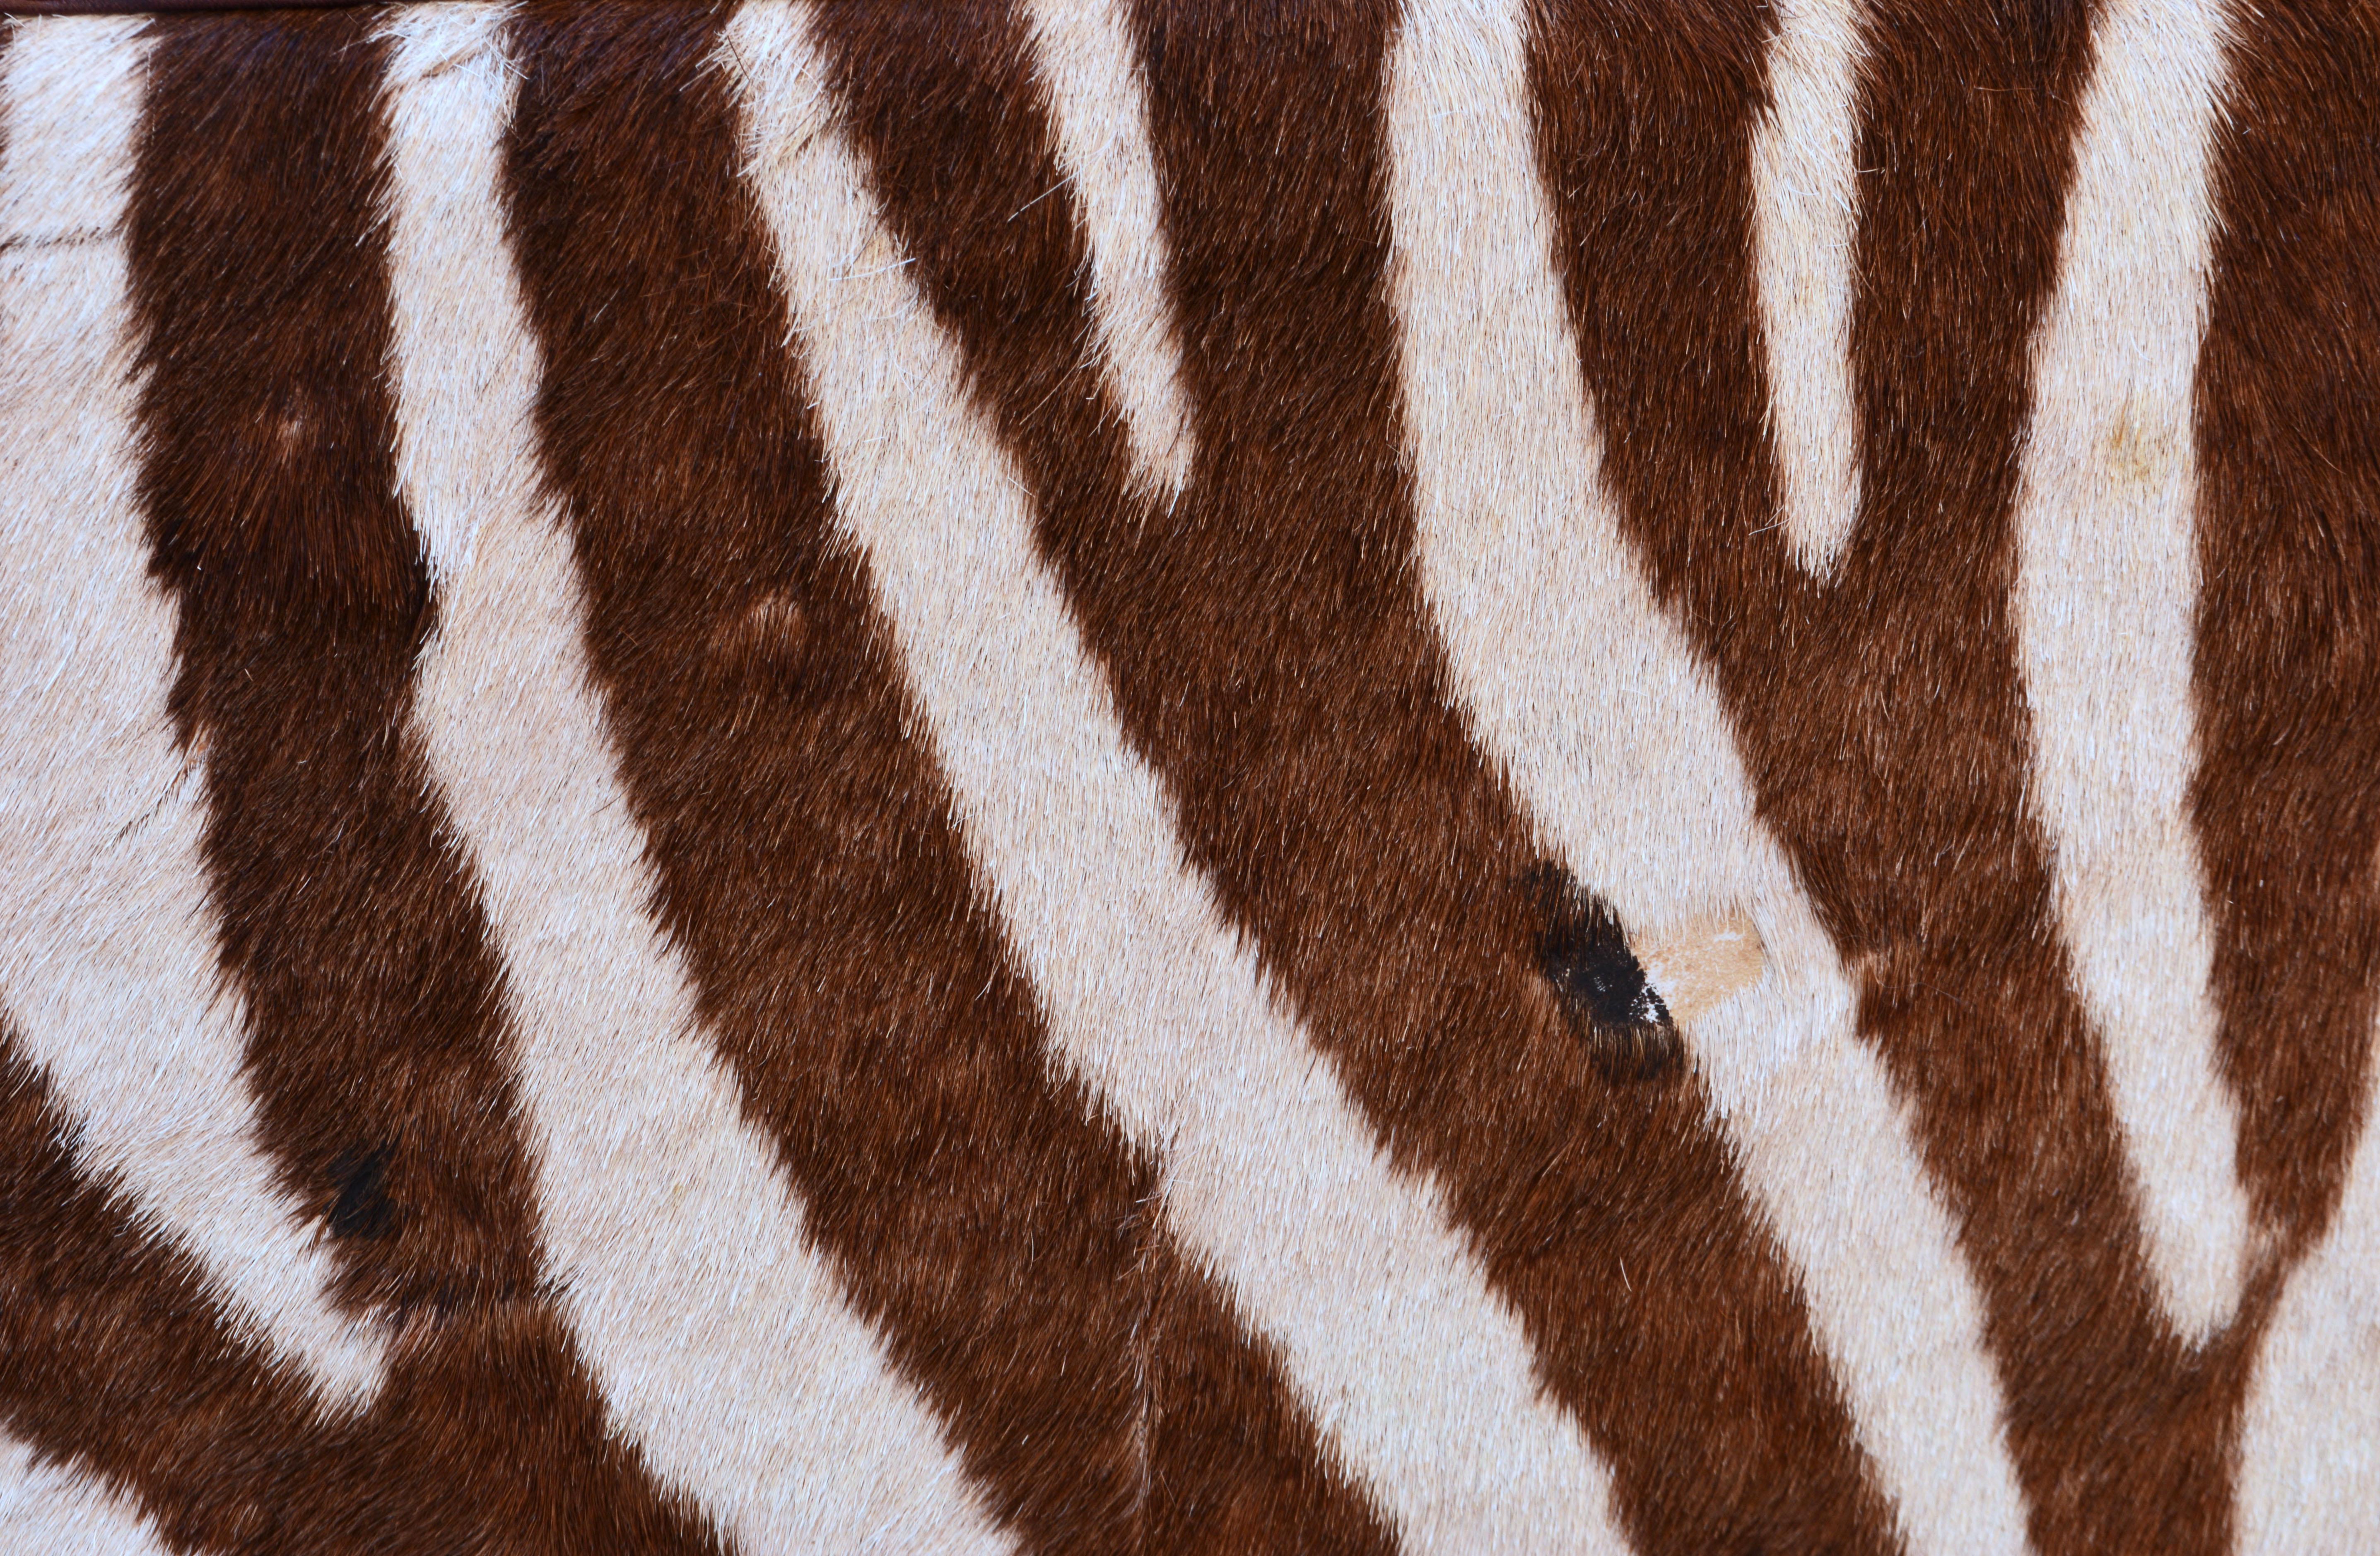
<point>362,1208</point>
<point>1880,712</point>
<point>115,1359</point>
<point>348,920</point>
<point>1271,658</point>
<point>1584,955</point>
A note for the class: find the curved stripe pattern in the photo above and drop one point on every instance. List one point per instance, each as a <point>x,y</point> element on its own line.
<point>1421,1378</point>
<point>740,1377</point>
<point>2106,583</point>
<point>108,941</point>
<point>1612,734</point>
<point>1270,481</point>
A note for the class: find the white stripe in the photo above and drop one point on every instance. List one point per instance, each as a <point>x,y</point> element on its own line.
<point>1615,740</point>
<point>108,953</point>
<point>718,1332</point>
<point>2107,582</point>
<point>2310,1437</point>
<point>51,1509</point>
<point>1805,214</point>
<point>1420,1380</point>
<point>1100,104</point>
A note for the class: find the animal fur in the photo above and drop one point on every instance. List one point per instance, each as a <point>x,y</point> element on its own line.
<point>1136,776</point>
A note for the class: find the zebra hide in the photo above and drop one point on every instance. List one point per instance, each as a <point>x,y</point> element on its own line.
<point>1144,776</point>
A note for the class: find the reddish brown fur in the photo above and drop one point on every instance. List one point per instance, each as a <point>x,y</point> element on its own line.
<point>1004,1239</point>
<point>2288,622</point>
<point>1882,719</point>
<point>123,7</point>
<point>112,1357</point>
<point>376,1042</point>
<point>349,925</point>
<point>1270,658</point>
<point>115,1359</point>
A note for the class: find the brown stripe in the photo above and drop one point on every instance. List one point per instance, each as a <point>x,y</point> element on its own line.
<point>1269,657</point>
<point>376,1043</point>
<point>114,1358</point>
<point>1000,1235</point>
<point>2287,666</point>
<point>1882,718</point>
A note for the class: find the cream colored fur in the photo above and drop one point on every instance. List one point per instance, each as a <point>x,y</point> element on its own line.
<point>719,1335</point>
<point>1805,206</point>
<point>1096,95</point>
<point>108,939</point>
<point>1545,615</point>
<point>725,1346</point>
<point>1420,1379</point>
<point>51,1509</point>
<point>2109,577</point>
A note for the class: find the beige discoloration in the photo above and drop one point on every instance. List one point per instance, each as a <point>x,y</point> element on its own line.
<point>1700,965</point>
<point>1654,734</point>
<point>1573,676</point>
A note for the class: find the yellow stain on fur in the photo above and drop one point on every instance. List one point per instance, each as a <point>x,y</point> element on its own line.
<point>1698,965</point>
<point>2136,453</point>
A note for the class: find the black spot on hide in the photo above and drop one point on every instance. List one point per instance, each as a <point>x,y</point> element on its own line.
<point>1585,956</point>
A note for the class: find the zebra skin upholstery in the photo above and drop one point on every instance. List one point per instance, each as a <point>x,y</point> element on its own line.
<point>1190,775</point>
